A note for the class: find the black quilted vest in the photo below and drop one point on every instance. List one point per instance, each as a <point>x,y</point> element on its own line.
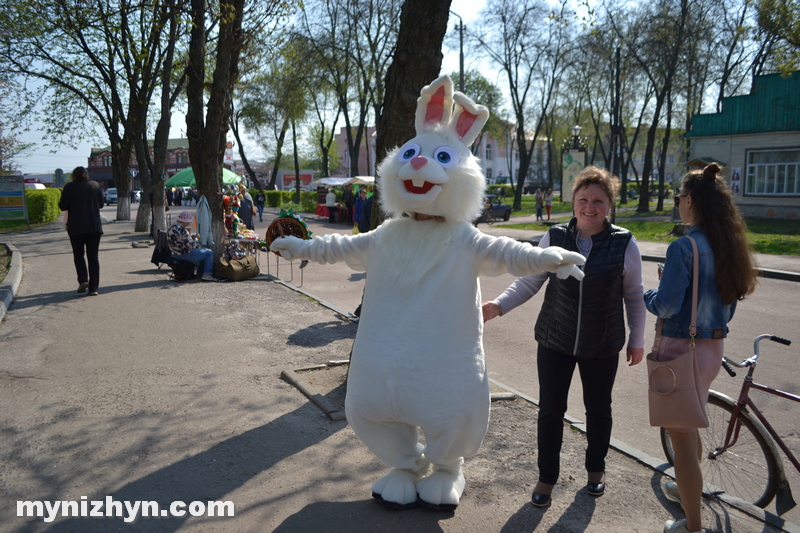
<point>586,318</point>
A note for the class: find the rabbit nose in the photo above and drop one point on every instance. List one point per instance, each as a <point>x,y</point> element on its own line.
<point>419,162</point>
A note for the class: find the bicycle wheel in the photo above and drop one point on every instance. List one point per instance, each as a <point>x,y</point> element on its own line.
<point>748,470</point>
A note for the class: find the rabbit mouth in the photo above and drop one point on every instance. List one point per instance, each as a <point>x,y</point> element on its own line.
<point>413,189</point>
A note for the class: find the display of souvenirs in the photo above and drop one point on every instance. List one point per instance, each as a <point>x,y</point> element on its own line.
<point>288,223</point>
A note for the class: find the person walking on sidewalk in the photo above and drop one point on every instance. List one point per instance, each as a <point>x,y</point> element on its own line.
<point>81,201</point>
<point>726,275</point>
<point>539,196</point>
<point>548,202</point>
<point>184,246</point>
<point>260,199</point>
<point>582,323</point>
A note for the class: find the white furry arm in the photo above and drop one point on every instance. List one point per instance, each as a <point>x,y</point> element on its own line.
<point>558,260</point>
<point>330,248</point>
<point>501,254</point>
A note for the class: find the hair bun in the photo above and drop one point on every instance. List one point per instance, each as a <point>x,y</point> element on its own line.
<point>711,171</point>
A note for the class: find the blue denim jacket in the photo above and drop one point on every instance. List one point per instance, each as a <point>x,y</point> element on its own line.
<point>673,298</point>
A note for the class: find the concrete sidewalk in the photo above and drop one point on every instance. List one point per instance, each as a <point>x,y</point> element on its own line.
<point>165,391</point>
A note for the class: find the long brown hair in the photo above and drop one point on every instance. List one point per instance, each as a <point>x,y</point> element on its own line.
<point>714,210</point>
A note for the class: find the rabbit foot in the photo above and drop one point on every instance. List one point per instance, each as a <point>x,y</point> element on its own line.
<point>441,490</point>
<point>397,489</point>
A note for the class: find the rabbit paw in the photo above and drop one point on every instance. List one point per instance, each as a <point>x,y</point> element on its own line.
<point>441,490</point>
<point>556,259</point>
<point>397,489</point>
<point>288,247</point>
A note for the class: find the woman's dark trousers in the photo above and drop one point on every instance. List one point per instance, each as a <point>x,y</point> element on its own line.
<point>88,243</point>
<point>555,374</point>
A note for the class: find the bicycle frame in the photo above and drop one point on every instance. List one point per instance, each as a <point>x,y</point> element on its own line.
<point>744,401</point>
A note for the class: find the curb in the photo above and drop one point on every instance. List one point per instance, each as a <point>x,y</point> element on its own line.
<point>10,284</point>
<point>762,272</point>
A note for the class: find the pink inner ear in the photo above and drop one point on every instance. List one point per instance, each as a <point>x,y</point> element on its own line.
<point>435,109</point>
<point>465,122</point>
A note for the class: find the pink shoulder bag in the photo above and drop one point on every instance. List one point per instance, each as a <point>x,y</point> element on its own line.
<point>673,396</point>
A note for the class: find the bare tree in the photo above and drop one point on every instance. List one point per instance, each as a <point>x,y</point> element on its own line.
<point>529,43</point>
<point>99,64</point>
<point>655,41</point>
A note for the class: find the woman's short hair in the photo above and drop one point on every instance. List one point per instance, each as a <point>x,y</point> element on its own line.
<point>79,174</point>
<point>593,175</point>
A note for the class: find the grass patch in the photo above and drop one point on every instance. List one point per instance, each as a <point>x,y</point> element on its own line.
<point>5,262</point>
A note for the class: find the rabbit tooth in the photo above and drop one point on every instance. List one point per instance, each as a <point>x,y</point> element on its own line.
<point>418,182</point>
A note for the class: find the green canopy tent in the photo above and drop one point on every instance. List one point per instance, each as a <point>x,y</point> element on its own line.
<point>185,178</point>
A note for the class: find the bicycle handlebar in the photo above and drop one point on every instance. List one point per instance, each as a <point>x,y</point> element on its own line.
<point>781,340</point>
<point>727,362</point>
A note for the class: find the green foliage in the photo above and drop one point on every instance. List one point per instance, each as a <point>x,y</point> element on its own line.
<point>501,190</point>
<point>781,19</point>
<point>285,199</point>
<point>42,205</point>
<point>308,201</point>
<point>274,198</point>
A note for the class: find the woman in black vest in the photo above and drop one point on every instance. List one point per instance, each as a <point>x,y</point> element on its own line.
<point>82,198</point>
<point>582,323</point>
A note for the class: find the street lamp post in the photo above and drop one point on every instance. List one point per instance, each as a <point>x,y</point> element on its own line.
<point>461,52</point>
<point>576,131</point>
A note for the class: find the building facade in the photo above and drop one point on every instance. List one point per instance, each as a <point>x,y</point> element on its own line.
<point>757,139</point>
<point>99,163</point>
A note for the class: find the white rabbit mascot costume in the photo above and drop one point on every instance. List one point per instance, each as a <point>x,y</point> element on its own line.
<point>418,358</point>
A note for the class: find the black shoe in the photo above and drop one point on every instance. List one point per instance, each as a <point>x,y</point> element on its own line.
<point>596,489</point>
<point>540,500</point>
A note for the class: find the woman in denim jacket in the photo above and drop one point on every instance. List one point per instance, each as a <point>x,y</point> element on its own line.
<point>727,275</point>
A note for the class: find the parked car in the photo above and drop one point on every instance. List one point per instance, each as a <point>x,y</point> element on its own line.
<point>111,196</point>
<point>494,210</point>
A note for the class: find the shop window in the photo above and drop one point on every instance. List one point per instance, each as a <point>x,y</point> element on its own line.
<point>489,154</point>
<point>773,172</point>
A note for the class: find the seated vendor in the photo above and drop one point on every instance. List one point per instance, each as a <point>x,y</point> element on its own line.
<point>184,246</point>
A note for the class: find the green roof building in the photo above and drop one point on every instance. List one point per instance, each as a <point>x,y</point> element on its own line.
<point>757,138</point>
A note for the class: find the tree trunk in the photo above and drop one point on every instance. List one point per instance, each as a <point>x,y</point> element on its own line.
<point>417,62</point>
<point>207,132</point>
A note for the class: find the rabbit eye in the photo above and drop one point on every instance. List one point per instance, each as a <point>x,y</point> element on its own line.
<point>408,152</point>
<point>446,156</point>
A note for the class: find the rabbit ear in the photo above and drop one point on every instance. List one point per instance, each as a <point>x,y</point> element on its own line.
<point>468,119</point>
<point>435,105</point>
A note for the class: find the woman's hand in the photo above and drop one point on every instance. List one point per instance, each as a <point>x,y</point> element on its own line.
<point>635,355</point>
<point>490,310</point>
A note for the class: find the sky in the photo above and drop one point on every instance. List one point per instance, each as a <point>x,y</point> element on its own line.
<point>44,159</point>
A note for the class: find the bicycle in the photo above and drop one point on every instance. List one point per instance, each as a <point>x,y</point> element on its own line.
<point>742,458</point>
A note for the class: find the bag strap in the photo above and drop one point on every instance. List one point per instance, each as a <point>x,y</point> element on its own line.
<point>693,322</point>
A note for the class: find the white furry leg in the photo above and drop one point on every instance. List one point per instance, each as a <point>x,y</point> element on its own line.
<point>442,490</point>
<point>397,489</point>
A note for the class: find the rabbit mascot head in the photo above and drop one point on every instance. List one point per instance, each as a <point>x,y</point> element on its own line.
<point>435,173</point>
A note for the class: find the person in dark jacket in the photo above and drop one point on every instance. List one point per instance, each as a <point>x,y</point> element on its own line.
<point>82,199</point>
<point>363,211</point>
<point>582,323</point>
